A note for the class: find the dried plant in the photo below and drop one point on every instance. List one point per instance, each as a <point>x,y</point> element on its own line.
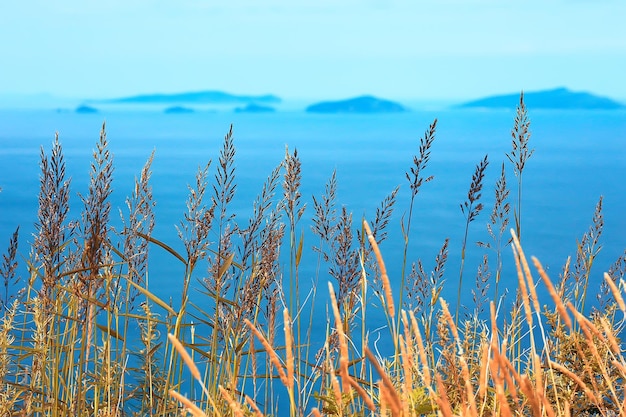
<point>616,273</point>
<point>261,210</point>
<point>96,213</point>
<point>141,222</point>
<point>498,224</point>
<point>519,155</point>
<point>194,229</point>
<point>416,179</point>
<point>294,209</point>
<point>325,215</point>
<point>471,208</point>
<point>479,292</point>
<point>383,215</point>
<point>588,249</point>
<point>8,268</point>
<point>51,227</point>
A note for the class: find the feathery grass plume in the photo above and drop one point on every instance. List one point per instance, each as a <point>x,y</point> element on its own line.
<point>251,242</point>
<point>8,267</point>
<point>471,208</point>
<point>383,215</point>
<point>256,287</point>
<point>498,223</point>
<point>587,251</point>
<point>294,209</point>
<point>95,230</point>
<point>223,194</point>
<point>416,180</point>
<point>417,289</point>
<point>96,213</point>
<point>345,264</point>
<point>141,222</point>
<point>225,186</point>
<point>618,269</point>
<point>51,227</point>
<point>220,277</point>
<point>617,272</point>
<point>291,187</point>
<point>479,292</point>
<point>268,265</point>
<point>336,247</point>
<point>325,215</point>
<point>520,153</point>
<point>194,230</point>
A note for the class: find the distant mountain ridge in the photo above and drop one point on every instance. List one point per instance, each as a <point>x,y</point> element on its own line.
<point>558,98</point>
<point>362,104</point>
<point>196,97</point>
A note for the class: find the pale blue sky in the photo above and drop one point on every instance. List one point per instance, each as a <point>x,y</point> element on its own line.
<point>402,49</point>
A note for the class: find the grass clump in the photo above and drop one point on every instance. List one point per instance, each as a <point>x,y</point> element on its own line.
<point>85,335</point>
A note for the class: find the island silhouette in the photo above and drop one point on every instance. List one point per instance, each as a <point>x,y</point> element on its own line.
<point>558,98</point>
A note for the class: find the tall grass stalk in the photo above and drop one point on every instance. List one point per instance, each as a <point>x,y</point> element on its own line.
<point>471,208</point>
<point>498,224</point>
<point>519,155</point>
<point>416,179</point>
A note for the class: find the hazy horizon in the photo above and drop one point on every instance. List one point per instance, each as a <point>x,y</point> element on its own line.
<point>49,101</point>
<point>397,49</point>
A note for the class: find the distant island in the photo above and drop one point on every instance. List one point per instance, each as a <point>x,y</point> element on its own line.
<point>86,109</point>
<point>363,104</point>
<point>178,110</point>
<point>255,108</point>
<point>198,97</point>
<point>559,98</point>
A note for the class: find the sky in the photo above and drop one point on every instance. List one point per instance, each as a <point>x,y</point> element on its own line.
<point>304,49</point>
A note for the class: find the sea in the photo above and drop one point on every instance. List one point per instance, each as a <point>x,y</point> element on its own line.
<point>579,157</point>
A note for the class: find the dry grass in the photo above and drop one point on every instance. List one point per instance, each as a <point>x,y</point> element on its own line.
<point>83,334</point>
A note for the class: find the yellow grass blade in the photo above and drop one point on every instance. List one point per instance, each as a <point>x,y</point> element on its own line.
<point>153,298</point>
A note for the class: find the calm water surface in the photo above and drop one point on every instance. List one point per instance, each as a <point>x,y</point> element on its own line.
<point>579,156</point>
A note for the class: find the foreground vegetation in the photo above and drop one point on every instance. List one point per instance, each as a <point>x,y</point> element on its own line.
<point>83,335</point>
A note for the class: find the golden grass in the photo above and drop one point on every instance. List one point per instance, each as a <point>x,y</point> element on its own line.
<point>86,336</point>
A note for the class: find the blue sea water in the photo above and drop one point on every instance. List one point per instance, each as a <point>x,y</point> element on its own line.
<point>579,156</point>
